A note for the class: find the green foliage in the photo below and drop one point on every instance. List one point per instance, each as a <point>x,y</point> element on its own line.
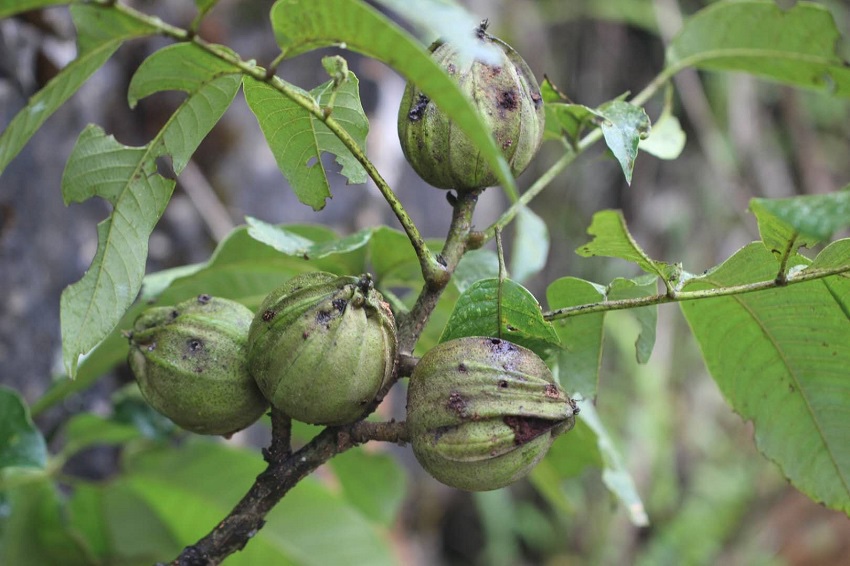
<point>780,358</point>
<point>795,46</point>
<point>771,324</point>
<point>298,138</point>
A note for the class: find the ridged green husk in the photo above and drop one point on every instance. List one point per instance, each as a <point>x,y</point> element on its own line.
<point>508,98</point>
<point>482,412</point>
<point>190,362</point>
<point>322,346</point>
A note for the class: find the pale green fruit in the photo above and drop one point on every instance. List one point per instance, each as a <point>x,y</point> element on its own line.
<point>481,412</point>
<point>507,97</point>
<point>321,347</point>
<point>190,362</point>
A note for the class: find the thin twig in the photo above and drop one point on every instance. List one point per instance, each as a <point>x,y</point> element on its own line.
<point>605,306</point>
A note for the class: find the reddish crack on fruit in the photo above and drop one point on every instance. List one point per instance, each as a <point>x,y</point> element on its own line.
<point>268,315</point>
<point>527,429</point>
<point>551,391</point>
<point>456,403</point>
<point>418,109</point>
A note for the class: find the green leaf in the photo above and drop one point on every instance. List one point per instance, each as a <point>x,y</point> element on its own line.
<point>291,243</point>
<point>611,238</point>
<point>623,126</point>
<point>210,82</point>
<point>581,336</point>
<point>304,25</point>
<point>647,317</point>
<point>666,140</point>
<point>563,118</point>
<point>780,358</point>
<point>35,533</point>
<point>101,33</point>
<point>373,482</point>
<point>836,254</point>
<point>21,443</point>
<point>511,313</point>
<point>298,138</point>
<point>191,501</point>
<point>795,46</point>
<point>788,223</point>
<point>12,7</point>
<point>393,259</point>
<point>531,245</point>
<point>616,476</point>
<point>475,265</point>
<point>119,526</point>
<point>87,429</point>
<point>127,177</point>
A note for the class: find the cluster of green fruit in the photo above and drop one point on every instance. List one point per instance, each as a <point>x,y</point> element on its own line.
<point>481,412</point>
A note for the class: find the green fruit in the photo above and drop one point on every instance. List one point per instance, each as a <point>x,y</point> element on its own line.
<point>481,412</point>
<point>506,96</point>
<point>190,361</point>
<point>322,346</point>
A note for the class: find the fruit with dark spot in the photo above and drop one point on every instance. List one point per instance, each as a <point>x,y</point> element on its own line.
<point>482,412</point>
<point>507,97</point>
<point>190,361</point>
<point>328,350</point>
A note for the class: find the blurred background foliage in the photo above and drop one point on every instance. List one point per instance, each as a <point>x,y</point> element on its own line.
<point>710,497</point>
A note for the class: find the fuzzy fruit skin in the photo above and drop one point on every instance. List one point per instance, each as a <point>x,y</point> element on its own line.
<point>190,362</point>
<point>482,412</point>
<point>322,346</point>
<point>507,97</point>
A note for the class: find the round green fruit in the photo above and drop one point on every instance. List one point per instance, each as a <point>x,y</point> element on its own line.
<point>481,412</point>
<point>507,97</point>
<point>190,362</point>
<point>322,346</point>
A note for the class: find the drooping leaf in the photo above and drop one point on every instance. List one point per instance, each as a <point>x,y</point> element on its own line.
<point>647,317</point>
<point>795,46</point>
<point>298,138</point>
<point>101,33</point>
<point>531,245</point>
<point>211,83</point>
<point>304,25</point>
<point>581,336</point>
<point>666,140</point>
<point>788,223</point>
<point>127,177</point>
<point>780,358</point>
<point>623,126</point>
<point>373,482</point>
<point>190,500</point>
<point>505,310</point>
<point>291,243</point>
<point>611,238</point>
<point>21,443</point>
<point>616,476</point>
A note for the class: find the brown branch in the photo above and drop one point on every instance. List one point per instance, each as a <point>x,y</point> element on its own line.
<point>284,471</point>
